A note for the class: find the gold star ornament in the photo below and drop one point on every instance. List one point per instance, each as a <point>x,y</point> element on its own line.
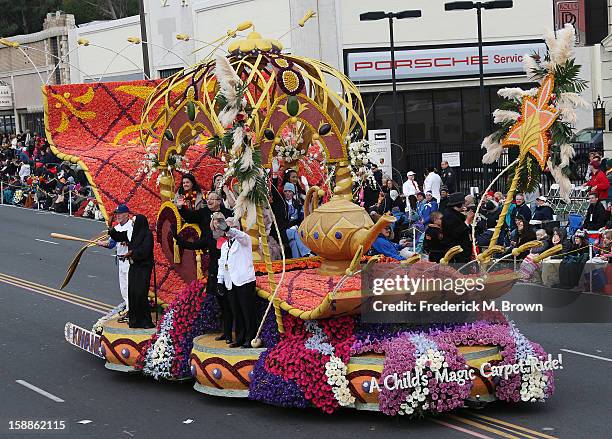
<point>530,132</point>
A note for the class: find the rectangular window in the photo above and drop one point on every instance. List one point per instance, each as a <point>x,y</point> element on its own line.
<point>418,109</point>
<point>447,116</point>
<point>166,73</point>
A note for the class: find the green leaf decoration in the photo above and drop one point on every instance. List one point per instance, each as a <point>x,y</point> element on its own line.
<point>293,106</point>
<point>191,111</point>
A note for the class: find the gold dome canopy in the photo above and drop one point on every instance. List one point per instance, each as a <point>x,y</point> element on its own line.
<point>253,43</point>
<point>281,90</point>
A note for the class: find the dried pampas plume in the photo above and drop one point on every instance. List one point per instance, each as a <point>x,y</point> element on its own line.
<point>246,159</point>
<point>237,139</point>
<point>501,116</point>
<point>565,185</point>
<point>228,85</point>
<point>494,150</point>
<point>567,104</point>
<point>511,92</point>
<point>567,153</point>
<point>564,45</point>
<point>529,65</point>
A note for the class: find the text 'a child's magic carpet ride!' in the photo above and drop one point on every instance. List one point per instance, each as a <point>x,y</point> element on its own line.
<point>241,116</point>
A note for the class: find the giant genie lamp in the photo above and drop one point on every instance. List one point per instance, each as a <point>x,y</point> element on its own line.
<point>281,91</point>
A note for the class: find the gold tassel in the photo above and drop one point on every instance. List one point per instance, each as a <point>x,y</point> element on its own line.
<point>199,264</point>
<point>177,254</point>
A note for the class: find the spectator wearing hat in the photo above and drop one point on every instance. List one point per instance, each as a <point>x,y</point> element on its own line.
<point>596,215</point>
<point>410,186</point>
<point>456,226</point>
<point>124,224</point>
<point>384,245</point>
<point>443,198</point>
<point>428,206</point>
<point>432,183</point>
<point>448,176</point>
<point>289,214</point>
<point>543,211</point>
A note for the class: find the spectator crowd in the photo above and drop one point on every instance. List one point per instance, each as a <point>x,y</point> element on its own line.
<point>32,176</point>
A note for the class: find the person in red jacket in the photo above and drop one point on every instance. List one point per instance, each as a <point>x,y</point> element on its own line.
<point>599,181</point>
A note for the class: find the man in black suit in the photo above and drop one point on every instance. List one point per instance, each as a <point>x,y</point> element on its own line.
<point>448,177</point>
<point>456,227</point>
<point>208,242</point>
<point>521,209</point>
<point>596,215</point>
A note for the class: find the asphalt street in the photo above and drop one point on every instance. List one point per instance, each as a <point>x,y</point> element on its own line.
<point>98,403</point>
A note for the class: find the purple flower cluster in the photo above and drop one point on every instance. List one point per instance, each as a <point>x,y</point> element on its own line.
<point>399,358</point>
<point>273,389</point>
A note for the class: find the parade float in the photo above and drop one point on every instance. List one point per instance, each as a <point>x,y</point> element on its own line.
<point>235,115</point>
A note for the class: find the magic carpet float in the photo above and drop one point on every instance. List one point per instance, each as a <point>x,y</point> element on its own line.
<point>236,114</point>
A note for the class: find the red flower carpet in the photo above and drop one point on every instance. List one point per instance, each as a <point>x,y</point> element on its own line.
<point>97,125</point>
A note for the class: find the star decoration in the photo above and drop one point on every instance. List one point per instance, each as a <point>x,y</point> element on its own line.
<point>530,131</point>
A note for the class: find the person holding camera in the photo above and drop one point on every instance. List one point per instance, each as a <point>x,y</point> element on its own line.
<point>236,276</point>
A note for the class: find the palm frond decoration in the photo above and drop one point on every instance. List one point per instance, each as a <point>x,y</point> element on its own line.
<point>77,259</point>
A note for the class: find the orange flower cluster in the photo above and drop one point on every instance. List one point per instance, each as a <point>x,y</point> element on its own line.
<point>305,289</point>
<point>290,265</point>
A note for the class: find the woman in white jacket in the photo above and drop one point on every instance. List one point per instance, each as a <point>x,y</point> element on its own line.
<point>237,276</point>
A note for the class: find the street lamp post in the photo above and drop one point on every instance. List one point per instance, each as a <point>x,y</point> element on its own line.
<point>143,37</point>
<point>479,6</point>
<point>381,15</point>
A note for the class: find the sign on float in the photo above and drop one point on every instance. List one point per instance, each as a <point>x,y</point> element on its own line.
<point>439,62</point>
<point>380,150</point>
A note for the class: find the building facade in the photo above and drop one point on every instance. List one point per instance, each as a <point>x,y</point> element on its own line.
<point>39,58</point>
<point>438,97</point>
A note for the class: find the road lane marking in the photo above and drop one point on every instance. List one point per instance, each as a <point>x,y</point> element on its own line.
<point>56,296</point>
<point>53,290</point>
<point>597,357</point>
<point>461,429</point>
<point>39,390</point>
<point>512,427</point>
<point>483,427</point>
<point>44,240</point>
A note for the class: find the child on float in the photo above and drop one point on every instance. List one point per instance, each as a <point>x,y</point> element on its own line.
<point>237,276</point>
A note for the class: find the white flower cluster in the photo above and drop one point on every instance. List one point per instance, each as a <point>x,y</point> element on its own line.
<point>335,370</point>
<point>533,385</point>
<point>432,360</point>
<point>150,163</point>
<point>97,327</point>
<point>159,351</point>
<point>359,158</point>
<point>288,153</point>
<point>159,356</point>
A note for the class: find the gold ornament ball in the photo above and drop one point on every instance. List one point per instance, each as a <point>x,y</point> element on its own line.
<point>294,119</point>
<point>315,137</point>
<point>277,140</point>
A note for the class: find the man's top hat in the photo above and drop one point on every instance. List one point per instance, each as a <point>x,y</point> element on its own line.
<point>455,199</point>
